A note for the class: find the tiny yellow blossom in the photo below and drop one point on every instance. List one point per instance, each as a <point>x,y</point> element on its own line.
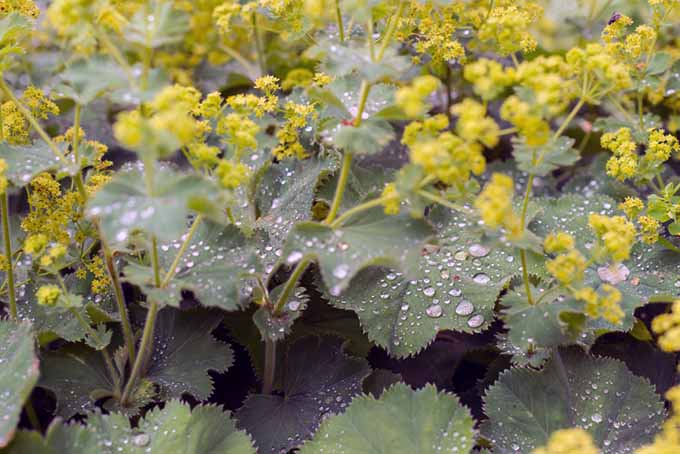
<point>231,175</point>
<point>411,98</point>
<point>211,106</point>
<point>616,233</point>
<point>39,104</point>
<point>35,244</point>
<point>392,203</point>
<point>558,242</point>
<point>632,206</point>
<point>567,268</point>
<point>488,77</point>
<point>649,229</point>
<point>494,204</point>
<point>48,295</point>
<point>267,84</point>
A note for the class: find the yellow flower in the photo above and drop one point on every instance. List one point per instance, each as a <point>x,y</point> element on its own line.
<point>632,206</point>
<point>616,233</point>
<point>48,295</point>
<point>322,79</point>
<point>267,84</point>
<point>24,7</point>
<point>616,28</point>
<point>667,326</point>
<point>507,28</point>
<point>239,131</point>
<point>392,203</point>
<point>488,77</point>
<point>569,441</point>
<point>203,154</point>
<point>473,125</point>
<point>39,105</point>
<point>128,129</point>
<point>567,268</point>
<point>649,229</point>
<point>176,97</point>
<point>231,174</point>
<point>530,124</point>
<point>558,242</point>
<point>411,98</point>
<point>660,147</point>
<point>211,106</point>
<point>14,124</point>
<point>34,244</point>
<point>494,204</point>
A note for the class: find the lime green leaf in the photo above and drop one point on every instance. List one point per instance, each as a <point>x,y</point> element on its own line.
<point>26,161</point>
<point>18,374</point>
<point>164,25</point>
<point>184,351</point>
<point>368,138</point>
<point>342,59</point>
<point>214,268</point>
<point>124,206</point>
<point>85,80</point>
<point>659,63</point>
<point>621,411</point>
<point>546,158</point>
<point>78,377</point>
<point>318,379</point>
<point>13,27</point>
<point>177,428</point>
<point>366,240</point>
<point>402,421</point>
<point>455,287</point>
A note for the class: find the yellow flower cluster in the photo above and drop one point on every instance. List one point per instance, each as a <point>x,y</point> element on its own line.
<point>616,233</point>
<point>550,81</point>
<point>14,124</point>
<point>606,306</point>
<point>624,163</point>
<point>488,77</point>
<point>54,253</point>
<point>494,205</point>
<point>667,327</point>
<point>668,441</point>
<point>392,203</point>
<point>649,229</point>
<point>303,77</point>
<point>559,242</point>
<point>632,206</point>
<point>51,210</point>
<point>436,33</point>
<point>24,7</point>
<point>35,244</point>
<point>446,156</point>
<point>527,120</point>
<point>569,441</point>
<point>239,131</point>
<point>660,147</point>
<point>567,268</point>
<point>48,295</point>
<point>100,281</point>
<point>629,47</point>
<point>507,27</point>
<point>411,98</point>
<point>596,68</point>
<point>473,125</point>
<point>232,174</point>
<point>289,145</point>
<point>39,104</point>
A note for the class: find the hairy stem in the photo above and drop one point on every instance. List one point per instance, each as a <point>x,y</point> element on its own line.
<point>340,188</point>
<point>269,366</point>
<point>170,273</point>
<point>6,235</point>
<point>391,29</point>
<point>144,349</point>
<point>338,20</point>
<point>291,283</point>
<point>358,209</point>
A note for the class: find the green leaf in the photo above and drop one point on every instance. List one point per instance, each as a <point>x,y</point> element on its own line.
<point>78,377</point>
<point>455,287</point>
<point>164,25</point>
<point>184,351</point>
<point>85,80</point>
<point>366,240</point>
<point>544,159</point>
<point>24,162</point>
<point>286,193</point>
<point>214,268</point>
<point>175,429</point>
<point>13,27</point>
<point>402,421</point>
<point>368,138</point>
<point>317,379</point>
<point>659,63</point>
<point>18,374</point>
<point>621,411</point>
<point>124,206</point>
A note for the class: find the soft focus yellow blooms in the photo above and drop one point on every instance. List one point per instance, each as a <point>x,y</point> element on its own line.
<point>448,157</point>
<point>494,205</point>
<point>51,210</point>
<point>231,174</point>
<point>427,129</point>
<point>661,146</point>
<point>100,278</point>
<point>615,29</point>
<point>128,129</point>
<point>529,124</point>
<point>624,163</point>
<point>667,326</point>
<point>616,233</point>
<point>14,124</point>
<point>39,105</point>
<point>322,79</point>
<point>55,253</point>
<point>488,77</point>
<point>211,106</point>
<point>392,203</point>
<point>176,97</point>
<point>224,14</point>
<point>558,242</point>
<point>549,80</point>
<point>649,229</point>
<point>203,155</point>
<point>297,116</point>
<point>24,7</point>
<point>48,295</point>
<point>34,244</point>
<point>632,206</point>
<point>595,63</point>
<point>567,268</point>
<point>604,305</point>
<point>473,125</point>
<point>239,131</point>
<point>411,98</point>
<point>507,27</point>
<point>569,441</point>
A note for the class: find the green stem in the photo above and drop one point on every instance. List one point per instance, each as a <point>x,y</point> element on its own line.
<point>358,209</point>
<point>185,244</point>
<point>32,416</point>
<point>259,50</point>
<point>391,29</point>
<point>340,188</point>
<point>144,348</point>
<point>436,199</point>
<point>369,38</point>
<point>155,262</point>
<point>4,207</point>
<point>338,20</point>
<point>291,283</point>
<point>120,300</point>
<point>363,97</point>
<point>569,118</point>
<point>269,366</point>
<point>76,134</point>
<point>105,354</point>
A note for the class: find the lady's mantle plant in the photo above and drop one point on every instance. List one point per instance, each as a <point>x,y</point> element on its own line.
<point>296,209</point>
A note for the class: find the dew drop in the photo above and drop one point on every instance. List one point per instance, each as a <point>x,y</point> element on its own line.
<point>481,278</point>
<point>434,311</point>
<point>465,308</point>
<point>475,321</point>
